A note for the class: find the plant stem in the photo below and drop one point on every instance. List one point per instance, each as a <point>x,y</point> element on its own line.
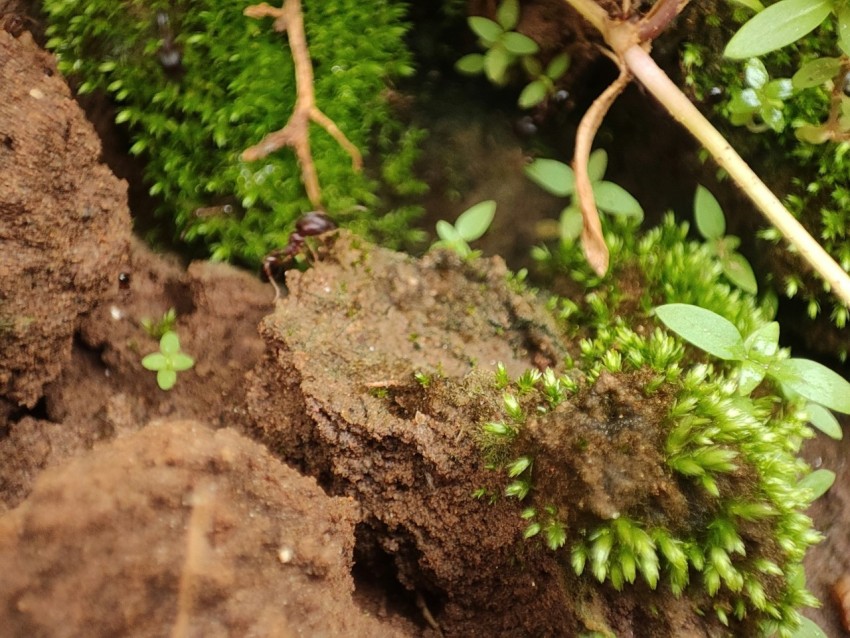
<point>648,73</point>
<point>630,42</point>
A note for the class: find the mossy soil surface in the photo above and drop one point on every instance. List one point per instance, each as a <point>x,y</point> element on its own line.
<point>298,481</point>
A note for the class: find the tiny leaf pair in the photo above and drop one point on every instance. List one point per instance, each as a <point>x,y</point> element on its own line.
<point>469,226</point>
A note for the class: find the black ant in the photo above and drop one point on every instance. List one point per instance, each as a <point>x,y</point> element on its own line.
<point>308,225</point>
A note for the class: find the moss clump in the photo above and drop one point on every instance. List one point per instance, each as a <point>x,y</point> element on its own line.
<point>647,468</point>
<point>234,84</point>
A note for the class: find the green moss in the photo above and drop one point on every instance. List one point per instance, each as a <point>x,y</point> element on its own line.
<point>237,84</point>
<point>641,462</point>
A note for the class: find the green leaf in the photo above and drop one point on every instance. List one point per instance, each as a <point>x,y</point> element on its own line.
<point>816,72</point>
<point>552,176</point>
<point>818,482</point>
<point>763,342</point>
<point>597,163</point>
<point>773,117</point>
<point>508,14</point>
<point>169,343</point>
<point>471,64</point>
<point>474,222</point>
<point>155,361</point>
<point>485,28</point>
<point>519,44</point>
<point>814,382</point>
<point>496,62</point>
<point>571,224</point>
<point>532,95</point>
<point>705,329</point>
<point>532,66</point>
<point>181,362</point>
<point>615,200</point>
<point>750,375</point>
<point>558,66</point>
<point>711,223</point>
<point>447,232</point>
<point>738,270</point>
<point>812,134</point>
<point>166,379</point>
<point>843,15</point>
<point>777,26</point>
<point>824,421</point>
<point>780,89</point>
<point>755,74</point>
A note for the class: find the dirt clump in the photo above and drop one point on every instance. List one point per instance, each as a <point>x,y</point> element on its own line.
<point>208,535</point>
<point>64,222</point>
<point>336,396</point>
<point>103,392</point>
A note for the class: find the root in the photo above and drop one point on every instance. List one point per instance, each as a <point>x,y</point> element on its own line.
<point>289,18</point>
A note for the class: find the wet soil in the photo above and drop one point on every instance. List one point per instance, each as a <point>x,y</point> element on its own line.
<point>301,442</point>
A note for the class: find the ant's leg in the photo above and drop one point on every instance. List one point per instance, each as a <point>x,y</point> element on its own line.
<point>267,268</point>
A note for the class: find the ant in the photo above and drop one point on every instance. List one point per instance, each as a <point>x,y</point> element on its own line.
<point>308,225</point>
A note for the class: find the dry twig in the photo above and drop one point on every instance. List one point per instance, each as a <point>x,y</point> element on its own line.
<point>290,19</point>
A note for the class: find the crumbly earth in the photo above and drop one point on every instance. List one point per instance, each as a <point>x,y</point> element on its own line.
<point>184,531</point>
<point>64,221</point>
<point>125,509</point>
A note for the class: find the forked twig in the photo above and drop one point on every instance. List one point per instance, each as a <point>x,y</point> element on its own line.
<point>289,18</point>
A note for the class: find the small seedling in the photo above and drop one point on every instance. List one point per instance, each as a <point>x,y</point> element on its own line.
<point>504,45</point>
<point>542,85</point>
<point>559,179</point>
<point>711,224</point>
<point>759,106</point>
<point>168,361</point>
<point>757,355</point>
<point>158,328</point>
<point>469,226</point>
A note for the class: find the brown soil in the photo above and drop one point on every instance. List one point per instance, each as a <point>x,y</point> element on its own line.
<point>132,511</point>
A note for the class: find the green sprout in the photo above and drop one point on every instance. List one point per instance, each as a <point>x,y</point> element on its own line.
<point>542,85</point>
<point>559,179</point>
<point>469,226</point>
<point>168,361</point>
<point>711,224</point>
<point>759,106</point>
<point>504,45</point>
<point>158,328</point>
<point>758,358</point>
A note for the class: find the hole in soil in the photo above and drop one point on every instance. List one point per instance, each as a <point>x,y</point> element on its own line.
<point>38,411</point>
<point>180,297</point>
<point>377,588</point>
